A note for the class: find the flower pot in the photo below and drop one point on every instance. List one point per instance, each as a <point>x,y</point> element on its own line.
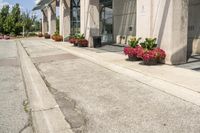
<point>133,58</point>
<point>75,44</point>
<point>150,62</point>
<point>47,36</point>
<point>58,38</point>
<point>83,43</point>
<point>53,37</point>
<point>40,35</point>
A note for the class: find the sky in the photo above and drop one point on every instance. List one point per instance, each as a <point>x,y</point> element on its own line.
<point>24,4</point>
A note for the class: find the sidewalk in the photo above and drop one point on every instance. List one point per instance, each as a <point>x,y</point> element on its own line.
<point>98,96</point>
<point>179,82</point>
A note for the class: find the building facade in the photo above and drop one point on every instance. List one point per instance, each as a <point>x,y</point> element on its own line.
<point>175,23</point>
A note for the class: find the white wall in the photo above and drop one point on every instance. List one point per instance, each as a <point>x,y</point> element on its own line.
<point>64,17</point>
<point>124,16</point>
<point>167,20</point>
<point>90,19</point>
<point>194,27</point>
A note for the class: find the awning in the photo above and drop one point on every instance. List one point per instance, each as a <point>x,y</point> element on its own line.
<point>42,4</point>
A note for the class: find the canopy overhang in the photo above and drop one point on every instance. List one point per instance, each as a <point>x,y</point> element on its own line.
<point>42,4</point>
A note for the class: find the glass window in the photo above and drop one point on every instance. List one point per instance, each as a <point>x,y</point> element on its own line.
<point>75,16</point>
<point>106,20</point>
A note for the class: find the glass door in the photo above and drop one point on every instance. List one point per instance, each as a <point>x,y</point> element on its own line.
<point>106,21</point>
<point>75,16</point>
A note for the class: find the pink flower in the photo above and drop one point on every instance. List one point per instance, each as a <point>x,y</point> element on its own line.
<point>131,52</point>
<point>155,54</point>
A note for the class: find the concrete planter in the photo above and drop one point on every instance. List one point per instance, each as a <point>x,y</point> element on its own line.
<point>150,62</point>
<point>133,58</point>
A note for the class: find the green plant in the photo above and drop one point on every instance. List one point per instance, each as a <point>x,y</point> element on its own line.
<point>56,33</point>
<point>133,42</point>
<point>149,43</point>
<point>79,36</point>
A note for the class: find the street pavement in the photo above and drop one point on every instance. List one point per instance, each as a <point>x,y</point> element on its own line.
<point>95,99</point>
<point>14,114</point>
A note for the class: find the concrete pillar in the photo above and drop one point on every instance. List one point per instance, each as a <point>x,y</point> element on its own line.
<point>44,22</point>
<point>64,17</point>
<point>52,18</point>
<point>167,20</point>
<point>90,19</point>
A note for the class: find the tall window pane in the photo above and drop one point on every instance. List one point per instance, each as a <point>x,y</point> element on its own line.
<point>75,16</point>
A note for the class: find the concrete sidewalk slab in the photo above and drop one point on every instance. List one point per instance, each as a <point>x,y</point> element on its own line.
<point>46,115</point>
<point>111,102</point>
<point>179,82</point>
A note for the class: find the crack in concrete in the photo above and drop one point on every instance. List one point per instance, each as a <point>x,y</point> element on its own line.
<point>27,110</point>
<point>45,109</point>
<point>74,115</point>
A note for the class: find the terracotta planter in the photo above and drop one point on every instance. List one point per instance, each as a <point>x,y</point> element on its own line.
<point>83,43</point>
<point>58,38</point>
<point>53,37</point>
<point>40,35</point>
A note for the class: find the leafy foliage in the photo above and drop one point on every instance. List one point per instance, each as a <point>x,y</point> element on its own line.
<point>3,15</point>
<point>13,22</point>
<point>149,43</point>
<point>133,42</point>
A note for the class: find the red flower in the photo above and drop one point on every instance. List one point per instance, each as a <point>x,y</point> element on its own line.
<point>130,51</point>
<point>72,40</point>
<point>155,54</point>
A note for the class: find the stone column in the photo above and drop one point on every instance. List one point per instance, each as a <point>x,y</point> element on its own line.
<point>167,20</point>
<point>64,17</point>
<point>44,22</point>
<point>90,19</point>
<point>52,18</point>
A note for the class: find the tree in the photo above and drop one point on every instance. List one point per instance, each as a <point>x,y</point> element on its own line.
<point>27,21</point>
<point>16,15</point>
<point>8,25</point>
<point>3,16</point>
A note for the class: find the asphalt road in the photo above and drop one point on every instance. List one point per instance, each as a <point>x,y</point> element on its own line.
<point>97,100</point>
<point>14,116</point>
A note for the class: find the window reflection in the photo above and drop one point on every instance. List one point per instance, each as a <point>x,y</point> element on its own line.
<point>75,16</point>
<point>106,20</point>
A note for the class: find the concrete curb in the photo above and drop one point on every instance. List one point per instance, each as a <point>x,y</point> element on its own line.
<point>46,114</point>
<point>159,84</point>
